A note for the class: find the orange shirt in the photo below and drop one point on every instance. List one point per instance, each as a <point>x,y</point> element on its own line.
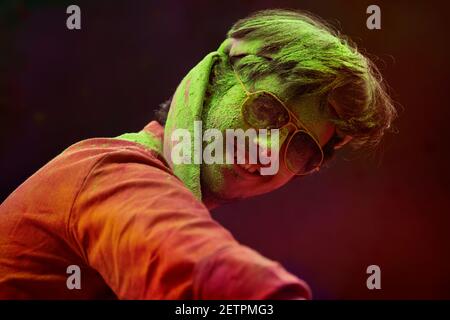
<point>115,209</point>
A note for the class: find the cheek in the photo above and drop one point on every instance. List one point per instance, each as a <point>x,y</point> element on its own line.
<point>284,175</point>
<point>323,130</point>
<point>223,117</point>
<point>225,112</point>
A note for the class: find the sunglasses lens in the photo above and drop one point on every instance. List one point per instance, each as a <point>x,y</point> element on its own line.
<point>263,111</point>
<point>303,155</point>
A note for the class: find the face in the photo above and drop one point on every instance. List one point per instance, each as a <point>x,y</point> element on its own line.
<point>225,182</point>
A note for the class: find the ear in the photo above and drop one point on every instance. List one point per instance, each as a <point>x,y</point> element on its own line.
<point>337,109</point>
<point>344,141</point>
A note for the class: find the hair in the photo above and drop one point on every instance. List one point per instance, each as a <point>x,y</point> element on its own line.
<point>312,58</point>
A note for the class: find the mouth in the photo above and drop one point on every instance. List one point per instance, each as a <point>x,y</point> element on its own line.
<point>252,169</point>
<point>249,170</point>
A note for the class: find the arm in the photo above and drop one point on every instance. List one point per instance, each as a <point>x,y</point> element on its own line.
<point>149,238</point>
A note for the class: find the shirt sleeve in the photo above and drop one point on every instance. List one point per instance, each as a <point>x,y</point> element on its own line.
<point>149,238</point>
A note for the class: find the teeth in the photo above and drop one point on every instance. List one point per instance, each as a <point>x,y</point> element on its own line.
<point>250,167</point>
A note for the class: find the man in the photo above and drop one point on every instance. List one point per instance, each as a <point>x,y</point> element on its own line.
<point>136,223</point>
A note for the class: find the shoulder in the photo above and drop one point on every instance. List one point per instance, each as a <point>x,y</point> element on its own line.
<point>55,186</point>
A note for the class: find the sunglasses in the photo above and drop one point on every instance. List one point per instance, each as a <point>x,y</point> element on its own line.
<point>303,154</point>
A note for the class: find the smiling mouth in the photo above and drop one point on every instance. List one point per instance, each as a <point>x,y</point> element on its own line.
<point>247,169</point>
<point>254,169</point>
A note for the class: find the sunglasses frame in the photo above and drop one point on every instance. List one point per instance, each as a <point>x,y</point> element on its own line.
<point>298,125</point>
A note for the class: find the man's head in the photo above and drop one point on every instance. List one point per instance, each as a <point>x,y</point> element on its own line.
<point>334,92</point>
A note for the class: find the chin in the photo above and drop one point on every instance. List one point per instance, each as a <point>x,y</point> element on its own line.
<point>238,188</point>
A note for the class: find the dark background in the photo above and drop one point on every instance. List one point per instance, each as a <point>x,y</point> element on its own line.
<point>391,209</point>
